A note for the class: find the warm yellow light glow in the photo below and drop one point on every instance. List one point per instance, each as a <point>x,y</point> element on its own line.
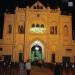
<point>53,48</point>
<point>44,27</point>
<point>37,30</point>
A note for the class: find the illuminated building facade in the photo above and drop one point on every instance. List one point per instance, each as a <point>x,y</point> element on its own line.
<point>37,33</point>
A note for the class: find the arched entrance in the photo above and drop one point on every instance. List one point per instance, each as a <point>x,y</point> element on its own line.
<point>37,51</point>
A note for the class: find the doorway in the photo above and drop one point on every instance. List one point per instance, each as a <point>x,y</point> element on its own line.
<point>20,56</point>
<point>36,53</point>
<point>53,58</point>
<point>65,60</point>
<point>74,59</point>
<point>7,58</point>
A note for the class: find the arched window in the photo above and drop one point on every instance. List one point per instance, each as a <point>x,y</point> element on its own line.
<point>65,30</point>
<point>55,30</point>
<point>34,7</point>
<point>37,25</point>
<point>33,25</point>
<point>9,28</point>
<point>51,29</point>
<point>42,25</point>
<point>21,29</point>
<point>38,7</point>
<point>41,7</point>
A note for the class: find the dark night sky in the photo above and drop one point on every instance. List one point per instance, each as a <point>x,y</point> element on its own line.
<point>11,4</point>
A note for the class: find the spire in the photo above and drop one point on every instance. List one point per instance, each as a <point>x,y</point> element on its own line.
<point>38,5</point>
<point>38,2</point>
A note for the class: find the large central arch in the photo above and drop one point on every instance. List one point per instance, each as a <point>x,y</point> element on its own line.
<point>37,50</point>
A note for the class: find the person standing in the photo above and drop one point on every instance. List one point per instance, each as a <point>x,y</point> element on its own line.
<point>67,67</point>
<point>73,69</point>
<point>21,67</point>
<point>57,69</point>
<point>28,67</point>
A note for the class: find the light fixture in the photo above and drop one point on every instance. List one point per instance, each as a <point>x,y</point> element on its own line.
<point>37,48</point>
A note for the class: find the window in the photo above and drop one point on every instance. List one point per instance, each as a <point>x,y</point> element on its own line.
<point>21,29</point>
<point>9,28</point>
<point>34,7</point>
<point>37,7</point>
<point>37,25</point>
<point>42,25</point>
<point>33,25</point>
<point>41,7</point>
<point>53,58</point>
<point>66,30</point>
<point>53,30</point>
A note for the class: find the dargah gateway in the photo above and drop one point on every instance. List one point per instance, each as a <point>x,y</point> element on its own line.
<point>37,33</point>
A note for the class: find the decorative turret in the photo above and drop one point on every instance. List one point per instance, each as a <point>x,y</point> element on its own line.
<point>38,5</point>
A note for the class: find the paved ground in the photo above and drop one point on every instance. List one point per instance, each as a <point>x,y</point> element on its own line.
<point>40,71</point>
<point>46,71</point>
<point>35,71</point>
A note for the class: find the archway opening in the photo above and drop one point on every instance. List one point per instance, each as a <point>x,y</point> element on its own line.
<point>36,53</point>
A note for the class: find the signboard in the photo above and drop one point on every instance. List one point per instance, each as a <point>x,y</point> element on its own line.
<point>38,30</point>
